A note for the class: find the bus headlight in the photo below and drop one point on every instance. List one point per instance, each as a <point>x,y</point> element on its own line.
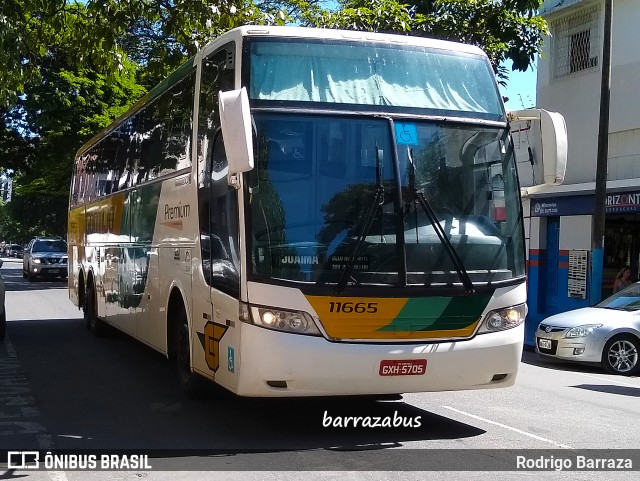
<point>298,322</point>
<point>502,319</point>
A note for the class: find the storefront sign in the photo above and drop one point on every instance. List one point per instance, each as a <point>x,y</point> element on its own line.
<point>570,205</point>
<point>615,203</point>
<point>623,202</point>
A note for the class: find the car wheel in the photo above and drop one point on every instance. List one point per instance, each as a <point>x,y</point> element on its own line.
<point>190,382</point>
<point>91,320</point>
<point>621,355</point>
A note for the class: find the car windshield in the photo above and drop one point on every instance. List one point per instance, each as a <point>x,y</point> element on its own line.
<point>49,246</point>
<point>626,300</point>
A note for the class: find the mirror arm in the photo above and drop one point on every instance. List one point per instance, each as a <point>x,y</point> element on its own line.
<point>234,180</point>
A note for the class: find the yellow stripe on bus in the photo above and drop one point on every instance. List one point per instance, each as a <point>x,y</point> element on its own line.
<point>381,318</point>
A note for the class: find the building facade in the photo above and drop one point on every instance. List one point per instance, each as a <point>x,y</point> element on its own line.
<point>559,219</point>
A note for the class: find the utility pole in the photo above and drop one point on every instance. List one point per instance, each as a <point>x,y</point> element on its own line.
<point>597,232</point>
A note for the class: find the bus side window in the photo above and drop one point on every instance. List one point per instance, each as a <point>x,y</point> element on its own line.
<point>219,230</point>
<point>217,74</point>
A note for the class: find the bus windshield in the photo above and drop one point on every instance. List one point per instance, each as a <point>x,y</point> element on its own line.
<point>336,193</point>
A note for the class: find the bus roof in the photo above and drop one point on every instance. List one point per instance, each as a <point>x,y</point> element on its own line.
<point>353,35</point>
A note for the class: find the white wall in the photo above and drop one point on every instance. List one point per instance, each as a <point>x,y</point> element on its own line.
<point>538,233</point>
<point>577,97</point>
<point>575,232</point>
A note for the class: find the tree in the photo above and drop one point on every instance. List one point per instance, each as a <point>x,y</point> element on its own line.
<point>505,29</point>
<point>68,74</point>
<point>71,67</point>
<point>47,123</point>
<point>159,34</point>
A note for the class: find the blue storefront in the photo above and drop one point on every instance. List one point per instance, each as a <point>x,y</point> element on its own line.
<point>563,279</point>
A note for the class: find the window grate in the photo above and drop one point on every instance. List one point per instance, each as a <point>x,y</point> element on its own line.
<point>575,43</point>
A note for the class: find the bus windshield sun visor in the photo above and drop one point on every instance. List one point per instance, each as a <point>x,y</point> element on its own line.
<point>419,197</point>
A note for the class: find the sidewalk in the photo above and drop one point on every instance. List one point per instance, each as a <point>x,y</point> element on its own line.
<point>20,418</point>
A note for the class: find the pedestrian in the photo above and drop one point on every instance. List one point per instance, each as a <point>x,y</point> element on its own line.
<point>623,279</point>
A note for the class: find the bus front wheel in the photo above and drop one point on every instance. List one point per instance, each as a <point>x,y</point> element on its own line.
<point>190,382</point>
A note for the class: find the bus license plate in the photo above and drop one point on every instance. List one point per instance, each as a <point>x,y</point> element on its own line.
<point>544,343</point>
<point>403,367</point>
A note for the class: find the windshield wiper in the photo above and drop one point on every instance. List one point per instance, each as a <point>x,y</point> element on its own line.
<point>419,196</point>
<point>378,202</point>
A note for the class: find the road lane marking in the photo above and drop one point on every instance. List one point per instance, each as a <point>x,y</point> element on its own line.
<point>45,442</point>
<point>609,380</point>
<point>519,431</point>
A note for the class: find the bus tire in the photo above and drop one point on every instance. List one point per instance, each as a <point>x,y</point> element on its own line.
<point>92,322</point>
<point>3,325</point>
<point>191,384</point>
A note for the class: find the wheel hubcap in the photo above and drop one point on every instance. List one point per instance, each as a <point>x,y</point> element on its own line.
<point>623,356</point>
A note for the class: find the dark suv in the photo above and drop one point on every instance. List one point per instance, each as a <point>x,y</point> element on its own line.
<point>45,257</point>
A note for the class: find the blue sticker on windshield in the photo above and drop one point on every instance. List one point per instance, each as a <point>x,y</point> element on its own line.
<point>406,134</point>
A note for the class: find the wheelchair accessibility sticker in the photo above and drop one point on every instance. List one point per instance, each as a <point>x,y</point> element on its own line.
<point>406,134</point>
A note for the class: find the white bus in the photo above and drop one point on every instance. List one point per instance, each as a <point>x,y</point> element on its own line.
<point>308,212</point>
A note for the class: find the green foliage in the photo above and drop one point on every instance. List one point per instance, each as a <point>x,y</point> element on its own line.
<point>386,16</point>
<point>50,119</point>
<point>505,29</point>
<point>70,67</point>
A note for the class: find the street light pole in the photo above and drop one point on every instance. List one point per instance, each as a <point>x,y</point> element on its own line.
<point>599,212</point>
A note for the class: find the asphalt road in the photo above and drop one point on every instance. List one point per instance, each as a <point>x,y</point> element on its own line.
<point>62,388</point>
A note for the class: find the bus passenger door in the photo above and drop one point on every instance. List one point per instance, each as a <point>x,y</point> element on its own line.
<point>216,282</point>
<point>221,272</point>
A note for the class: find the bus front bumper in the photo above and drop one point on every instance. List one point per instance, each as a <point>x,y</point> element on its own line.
<point>280,364</point>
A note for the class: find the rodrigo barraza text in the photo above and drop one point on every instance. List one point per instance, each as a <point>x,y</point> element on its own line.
<point>548,463</point>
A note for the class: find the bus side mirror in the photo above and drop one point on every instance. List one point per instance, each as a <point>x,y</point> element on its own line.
<point>547,143</point>
<point>235,120</point>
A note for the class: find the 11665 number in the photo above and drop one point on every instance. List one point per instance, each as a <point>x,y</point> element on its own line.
<point>357,307</point>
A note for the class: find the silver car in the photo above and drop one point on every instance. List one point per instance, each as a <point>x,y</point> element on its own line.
<point>3,313</point>
<point>45,257</point>
<point>608,333</point>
